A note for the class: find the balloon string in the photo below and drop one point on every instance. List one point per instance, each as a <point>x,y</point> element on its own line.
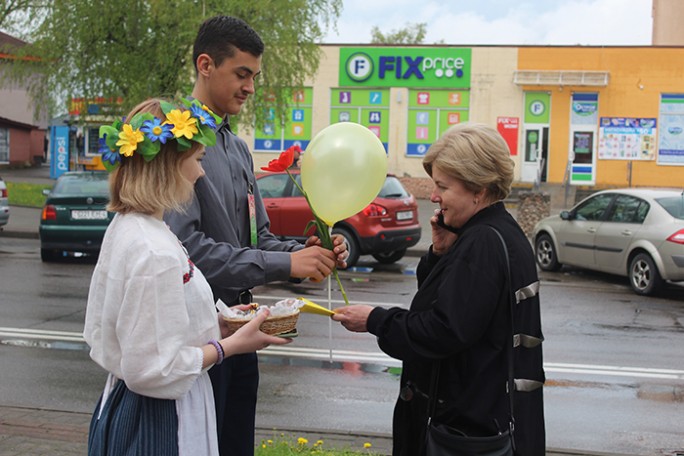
<point>330,320</point>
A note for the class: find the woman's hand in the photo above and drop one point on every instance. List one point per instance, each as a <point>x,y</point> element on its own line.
<point>442,238</point>
<point>249,338</point>
<point>353,318</point>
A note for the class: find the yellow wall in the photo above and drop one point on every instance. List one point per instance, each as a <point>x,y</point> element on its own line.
<point>638,76</point>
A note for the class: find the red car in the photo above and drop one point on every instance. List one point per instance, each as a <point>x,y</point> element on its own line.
<point>385,228</point>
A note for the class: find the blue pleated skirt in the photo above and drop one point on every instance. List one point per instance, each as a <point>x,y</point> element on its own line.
<point>133,425</point>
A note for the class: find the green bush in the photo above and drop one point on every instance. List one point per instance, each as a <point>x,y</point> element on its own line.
<point>28,195</point>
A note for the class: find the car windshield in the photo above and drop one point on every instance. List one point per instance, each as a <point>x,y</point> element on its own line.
<point>674,205</point>
<point>393,189</point>
<point>94,184</point>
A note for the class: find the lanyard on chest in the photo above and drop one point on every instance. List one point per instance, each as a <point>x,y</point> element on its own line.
<point>252,215</point>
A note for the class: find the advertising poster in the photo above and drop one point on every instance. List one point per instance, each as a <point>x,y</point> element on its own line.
<point>405,67</point>
<point>431,113</point>
<point>59,143</point>
<point>508,128</point>
<point>276,135</point>
<point>671,138</point>
<point>368,107</point>
<point>627,138</point>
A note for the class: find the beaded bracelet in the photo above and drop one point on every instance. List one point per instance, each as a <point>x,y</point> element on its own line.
<point>219,350</point>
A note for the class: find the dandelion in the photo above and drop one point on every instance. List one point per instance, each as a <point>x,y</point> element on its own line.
<point>367,445</point>
<point>302,441</point>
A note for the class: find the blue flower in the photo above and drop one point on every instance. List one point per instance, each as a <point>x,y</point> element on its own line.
<point>113,157</point>
<point>102,144</point>
<point>156,131</point>
<point>108,155</point>
<point>204,117</point>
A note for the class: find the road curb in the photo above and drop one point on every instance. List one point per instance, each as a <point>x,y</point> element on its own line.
<point>19,234</point>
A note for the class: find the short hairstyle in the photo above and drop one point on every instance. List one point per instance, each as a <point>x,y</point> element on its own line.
<point>220,35</point>
<point>140,186</point>
<point>475,154</point>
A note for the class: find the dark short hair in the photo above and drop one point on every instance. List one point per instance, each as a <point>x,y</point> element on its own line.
<point>220,35</point>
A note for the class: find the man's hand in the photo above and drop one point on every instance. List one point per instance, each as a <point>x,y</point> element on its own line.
<point>339,248</point>
<point>314,262</point>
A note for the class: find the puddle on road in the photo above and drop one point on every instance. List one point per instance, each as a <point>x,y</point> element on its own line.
<point>349,366</point>
<point>54,344</point>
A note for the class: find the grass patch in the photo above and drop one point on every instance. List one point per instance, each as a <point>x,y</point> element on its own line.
<point>28,195</point>
<point>289,447</point>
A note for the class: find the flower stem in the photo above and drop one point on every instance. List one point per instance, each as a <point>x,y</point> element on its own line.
<point>339,284</point>
<point>324,231</point>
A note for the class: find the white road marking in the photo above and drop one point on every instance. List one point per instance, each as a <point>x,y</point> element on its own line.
<point>370,357</point>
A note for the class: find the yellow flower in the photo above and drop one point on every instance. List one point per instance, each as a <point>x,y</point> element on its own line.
<point>318,443</point>
<point>367,445</point>
<point>129,139</point>
<point>269,441</point>
<point>183,124</point>
<point>302,441</point>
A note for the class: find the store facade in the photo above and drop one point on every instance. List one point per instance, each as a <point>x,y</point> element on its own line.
<point>590,116</point>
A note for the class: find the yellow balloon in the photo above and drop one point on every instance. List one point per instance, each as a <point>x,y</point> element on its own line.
<point>343,170</point>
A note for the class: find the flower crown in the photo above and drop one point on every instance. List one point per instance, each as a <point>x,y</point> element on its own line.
<point>144,133</point>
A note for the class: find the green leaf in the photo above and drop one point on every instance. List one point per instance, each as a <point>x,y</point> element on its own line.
<point>112,136</point>
<point>148,149</point>
<point>108,166</point>
<point>166,106</point>
<point>183,143</point>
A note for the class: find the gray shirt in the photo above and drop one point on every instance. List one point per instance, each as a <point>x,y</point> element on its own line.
<point>215,226</point>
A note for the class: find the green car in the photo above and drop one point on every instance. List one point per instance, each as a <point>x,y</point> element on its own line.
<point>74,218</point>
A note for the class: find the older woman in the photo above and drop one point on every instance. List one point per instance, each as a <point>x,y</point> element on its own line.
<point>460,318</point>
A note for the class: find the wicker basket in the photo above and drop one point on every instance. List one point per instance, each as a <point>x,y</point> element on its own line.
<point>272,325</point>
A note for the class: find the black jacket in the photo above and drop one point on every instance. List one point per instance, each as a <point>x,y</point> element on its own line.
<point>460,316</point>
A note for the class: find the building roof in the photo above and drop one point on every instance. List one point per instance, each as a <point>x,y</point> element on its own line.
<point>10,41</point>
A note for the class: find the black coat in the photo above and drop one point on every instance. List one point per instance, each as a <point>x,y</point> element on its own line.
<point>460,315</point>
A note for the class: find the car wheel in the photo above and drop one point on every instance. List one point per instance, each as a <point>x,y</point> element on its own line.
<point>390,257</point>
<point>352,245</point>
<point>644,276</point>
<point>546,255</point>
<point>48,255</point>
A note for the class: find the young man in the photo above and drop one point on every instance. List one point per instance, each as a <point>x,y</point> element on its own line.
<point>226,228</point>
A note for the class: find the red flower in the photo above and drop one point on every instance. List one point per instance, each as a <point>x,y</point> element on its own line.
<point>284,161</point>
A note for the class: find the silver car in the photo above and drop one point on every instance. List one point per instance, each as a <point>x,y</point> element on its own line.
<point>4,204</point>
<point>632,232</point>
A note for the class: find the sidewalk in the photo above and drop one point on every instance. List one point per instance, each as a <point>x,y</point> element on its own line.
<point>38,432</point>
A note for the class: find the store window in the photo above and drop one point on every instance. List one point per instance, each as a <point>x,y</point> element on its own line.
<point>431,113</point>
<point>368,107</point>
<point>278,134</point>
<point>4,145</point>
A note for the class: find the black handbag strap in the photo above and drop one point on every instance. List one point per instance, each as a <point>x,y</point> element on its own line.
<point>510,384</point>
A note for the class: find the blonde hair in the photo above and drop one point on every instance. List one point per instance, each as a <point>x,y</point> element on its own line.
<point>475,154</point>
<point>146,187</point>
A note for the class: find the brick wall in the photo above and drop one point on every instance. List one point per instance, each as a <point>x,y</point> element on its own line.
<point>420,187</point>
<point>532,207</point>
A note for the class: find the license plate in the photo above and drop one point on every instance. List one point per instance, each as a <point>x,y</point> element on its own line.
<point>405,215</point>
<point>89,215</point>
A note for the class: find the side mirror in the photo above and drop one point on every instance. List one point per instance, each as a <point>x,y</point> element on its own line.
<point>566,215</point>
<point>46,191</point>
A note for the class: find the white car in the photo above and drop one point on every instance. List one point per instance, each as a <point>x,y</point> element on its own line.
<point>632,232</point>
<point>4,204</point>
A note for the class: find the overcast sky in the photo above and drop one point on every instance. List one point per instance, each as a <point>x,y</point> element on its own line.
<point>517,22</point>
